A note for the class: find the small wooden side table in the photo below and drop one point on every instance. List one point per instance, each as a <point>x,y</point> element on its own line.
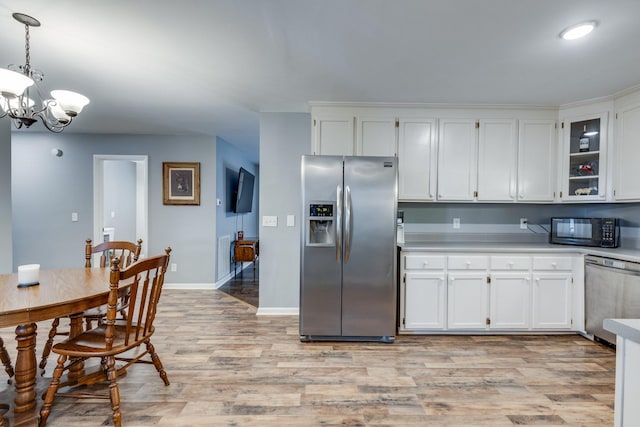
<point>245,250</point>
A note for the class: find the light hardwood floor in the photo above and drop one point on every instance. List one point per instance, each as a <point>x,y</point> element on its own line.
<point>228,367</point>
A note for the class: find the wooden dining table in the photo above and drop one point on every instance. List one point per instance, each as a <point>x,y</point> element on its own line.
<point>64,292</point>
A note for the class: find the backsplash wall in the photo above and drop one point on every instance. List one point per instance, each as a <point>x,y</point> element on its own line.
<point>476,218</point>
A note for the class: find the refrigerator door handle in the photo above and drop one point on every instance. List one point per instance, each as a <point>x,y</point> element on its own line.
<point>338,224</point>
<point>347,224</point>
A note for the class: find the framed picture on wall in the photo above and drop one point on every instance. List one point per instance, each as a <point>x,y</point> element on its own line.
<point>181,183</point>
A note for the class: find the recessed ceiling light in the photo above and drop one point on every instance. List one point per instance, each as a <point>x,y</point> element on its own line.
<point>578,30</point>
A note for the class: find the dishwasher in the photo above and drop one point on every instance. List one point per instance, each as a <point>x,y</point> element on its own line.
<point>612,291</point>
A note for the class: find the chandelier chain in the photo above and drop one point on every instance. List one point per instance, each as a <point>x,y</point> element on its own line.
<point>27,49</point>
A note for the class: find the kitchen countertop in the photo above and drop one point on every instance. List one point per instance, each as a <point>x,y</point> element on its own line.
<point>624,254</point>
<point>625,328</point>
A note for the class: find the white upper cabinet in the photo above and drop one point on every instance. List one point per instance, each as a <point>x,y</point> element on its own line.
<point>497,160</point>
<point>417,158</point>
<point>457,155</point>
<point>627,153</point>
<point>333,135</point>
<point>376,136</point>
<point>584,158</point>
<point>536,160</point>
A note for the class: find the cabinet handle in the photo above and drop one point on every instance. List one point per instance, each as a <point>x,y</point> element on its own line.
<point>554,265</point>
<point>426,263</point>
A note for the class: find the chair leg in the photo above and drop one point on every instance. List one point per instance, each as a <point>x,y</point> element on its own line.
<point>51,391</point>
<point>156,362</point>
<point>6,360</point>
<point>47,346</point>
<point>114,391</point>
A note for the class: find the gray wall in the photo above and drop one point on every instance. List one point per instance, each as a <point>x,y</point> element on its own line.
<point>46,189</point>
<point>6,241</point>
<point>229,159</point>
<point>284,138</point>
<point>488,213</point>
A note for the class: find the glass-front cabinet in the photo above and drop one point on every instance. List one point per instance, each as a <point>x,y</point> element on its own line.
<point>584,169</point>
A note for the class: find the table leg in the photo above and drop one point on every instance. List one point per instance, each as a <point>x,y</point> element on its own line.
<point>25,368</point>
<point>76,328</point>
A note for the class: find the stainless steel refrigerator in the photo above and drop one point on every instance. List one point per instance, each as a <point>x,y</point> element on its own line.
<point>348,248</point>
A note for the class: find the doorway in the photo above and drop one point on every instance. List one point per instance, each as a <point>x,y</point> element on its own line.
<point>137,206</point>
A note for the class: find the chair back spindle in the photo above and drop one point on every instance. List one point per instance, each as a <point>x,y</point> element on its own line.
<point>146,278</point>
<point>127,252</point>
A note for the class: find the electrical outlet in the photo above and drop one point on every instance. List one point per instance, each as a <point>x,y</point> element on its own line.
<point>174,267</point>
<point>456,222</point>
<point>523,223</point>
<point>269,221</point>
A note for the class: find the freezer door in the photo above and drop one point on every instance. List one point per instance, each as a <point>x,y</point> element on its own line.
<point>369,268</point>
<point>321,256</point>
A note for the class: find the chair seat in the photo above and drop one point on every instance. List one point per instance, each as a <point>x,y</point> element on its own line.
<point>92,342</point>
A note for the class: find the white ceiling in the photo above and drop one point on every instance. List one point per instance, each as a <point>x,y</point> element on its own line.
<point>210,66</point>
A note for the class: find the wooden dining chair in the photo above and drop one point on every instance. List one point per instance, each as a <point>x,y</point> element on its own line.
<point>8,367</point>
<point>114,337</point>
<point>6,360</point>
<point>128,253</point>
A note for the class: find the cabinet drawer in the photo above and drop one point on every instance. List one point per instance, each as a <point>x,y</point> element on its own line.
<point>468,262</point>
<point>552,263</point>
<point>506,262</point>
<point>424,262</point>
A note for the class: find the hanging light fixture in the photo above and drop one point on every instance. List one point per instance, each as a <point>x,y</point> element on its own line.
<point>20,96</point>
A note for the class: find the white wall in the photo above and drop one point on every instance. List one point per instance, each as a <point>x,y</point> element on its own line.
<point>6,245</point>
<point>119,210</point>
<point>284,138</point>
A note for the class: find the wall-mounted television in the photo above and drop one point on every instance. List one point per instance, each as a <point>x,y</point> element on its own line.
<point>244,192</point>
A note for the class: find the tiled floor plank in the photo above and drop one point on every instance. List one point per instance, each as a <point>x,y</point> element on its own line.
<point>228,367</point>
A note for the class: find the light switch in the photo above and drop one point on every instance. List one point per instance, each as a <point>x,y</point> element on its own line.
<point>291,220</point>
<point>74,216</point>
<point>269,221</point>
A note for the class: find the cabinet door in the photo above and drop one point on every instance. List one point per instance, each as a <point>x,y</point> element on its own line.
<point>510,301</point>
<point>551,308</point>
<point>627,154</point>
<point>417,159</point>
<point>536,160</point>
<point>585,158</point>
<point>376,136</point>
<point>467,300</point>
<point>497,160</point>
<point>457,159</point>
<point>424,301</point>
<point>333,135</point>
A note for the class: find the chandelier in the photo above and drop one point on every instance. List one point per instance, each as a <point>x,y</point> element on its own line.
<point>20,96</point>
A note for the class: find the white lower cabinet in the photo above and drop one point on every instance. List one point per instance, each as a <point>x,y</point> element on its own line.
<point>424,301</point>
<point>510,300</point>
<point>552,297</point>
<point>489,293</point>
<point>467,300</point>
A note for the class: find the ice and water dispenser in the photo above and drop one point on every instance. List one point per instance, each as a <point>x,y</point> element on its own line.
<point>321,228</point>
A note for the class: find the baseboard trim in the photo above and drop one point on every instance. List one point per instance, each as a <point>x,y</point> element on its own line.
<point>222,281</point>
<point>189,286</point>
<point>278,311</point>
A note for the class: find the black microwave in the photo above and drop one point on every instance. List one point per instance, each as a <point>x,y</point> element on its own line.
<point>602,232</point>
